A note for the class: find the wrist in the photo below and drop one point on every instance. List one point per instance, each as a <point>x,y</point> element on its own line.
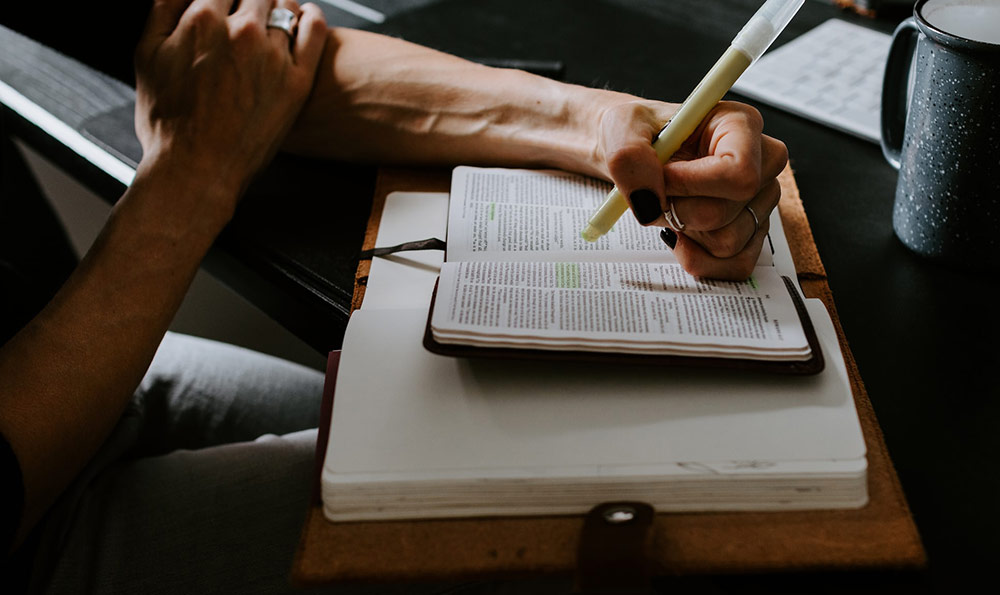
<point>207,164</point>
<point>178,200</point>
<point>189,187</point>
<point>582,149</point>
<point>598,104</point>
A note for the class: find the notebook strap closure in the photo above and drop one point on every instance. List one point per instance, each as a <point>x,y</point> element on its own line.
<point>612,555</point>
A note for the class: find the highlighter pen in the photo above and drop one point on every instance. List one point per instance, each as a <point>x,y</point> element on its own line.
<point>748,45</point>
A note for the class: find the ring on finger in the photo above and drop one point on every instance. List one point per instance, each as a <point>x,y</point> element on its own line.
<point>756,221</point>
<point>282,18</point>
<point>673,221</point>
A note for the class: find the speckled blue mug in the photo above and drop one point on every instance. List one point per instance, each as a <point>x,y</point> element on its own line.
<point>944,134</point>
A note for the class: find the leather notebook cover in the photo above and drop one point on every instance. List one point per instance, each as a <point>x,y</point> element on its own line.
<point>880,535</point>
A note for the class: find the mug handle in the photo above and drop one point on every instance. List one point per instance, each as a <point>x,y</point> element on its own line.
<point>894,89</point>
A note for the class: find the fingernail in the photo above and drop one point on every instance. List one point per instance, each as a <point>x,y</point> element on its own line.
<point>669,237</point>
<point>646,206</point>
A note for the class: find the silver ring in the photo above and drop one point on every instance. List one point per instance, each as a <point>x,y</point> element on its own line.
<point>673,221</point>
<point>281,18</point>
<point>756,221</point>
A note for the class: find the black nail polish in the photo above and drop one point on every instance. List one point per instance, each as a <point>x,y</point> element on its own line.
<point>646,206</point>
<point>669,237</point>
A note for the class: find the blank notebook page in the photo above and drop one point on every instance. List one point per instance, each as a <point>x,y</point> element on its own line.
<point>401,412</point>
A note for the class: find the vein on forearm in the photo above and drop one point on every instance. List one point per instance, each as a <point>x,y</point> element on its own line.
<point>383,100</point>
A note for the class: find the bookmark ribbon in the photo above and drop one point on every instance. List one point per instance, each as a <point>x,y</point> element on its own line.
<point>428,244</point>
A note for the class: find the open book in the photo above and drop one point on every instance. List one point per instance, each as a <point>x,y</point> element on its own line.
<point>519,277</point>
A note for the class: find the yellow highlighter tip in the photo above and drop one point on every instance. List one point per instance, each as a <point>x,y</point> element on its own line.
<point>591,233</point>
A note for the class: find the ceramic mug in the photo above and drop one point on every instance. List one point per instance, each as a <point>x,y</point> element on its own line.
<point>941,129</point>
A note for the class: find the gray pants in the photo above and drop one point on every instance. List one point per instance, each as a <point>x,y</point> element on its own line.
<point>203,486</point>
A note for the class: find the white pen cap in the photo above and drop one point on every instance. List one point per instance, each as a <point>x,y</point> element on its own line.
<point>765,26</point>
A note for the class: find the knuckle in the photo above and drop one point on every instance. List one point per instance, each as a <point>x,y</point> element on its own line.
<point>745,179</point>
<point>246,31</point>
<point>773,198</point>
<point>744,266</point>
<point>735,273</point>
<point>781,150</point>
<point>754,117</point>
<point>630,115</point>
<point>752,114</point>
<point>689,262</point>
<point>635,110</point>
<point>317,22</point>
<point>624,158</point>
<point>697,269</point>
<point>203,17</point>
<point>736,269</point>
<point>707,215</point>
<point>725,243</point>
<point>749,113</point>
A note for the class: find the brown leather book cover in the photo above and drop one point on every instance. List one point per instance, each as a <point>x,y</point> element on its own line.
<point>881,535</point>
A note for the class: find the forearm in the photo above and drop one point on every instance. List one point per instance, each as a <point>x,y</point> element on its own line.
<point>216,91</point>
<point>68,375</point>
<point>380,99</point>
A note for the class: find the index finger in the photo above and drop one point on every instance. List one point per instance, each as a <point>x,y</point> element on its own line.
<point>628,130</point>
<point>731,165</point>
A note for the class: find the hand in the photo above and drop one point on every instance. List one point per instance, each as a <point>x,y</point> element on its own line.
<point>726,166</point>
<point>215,92</point>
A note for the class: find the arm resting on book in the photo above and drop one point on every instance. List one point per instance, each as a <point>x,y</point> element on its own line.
<point>384,100</point>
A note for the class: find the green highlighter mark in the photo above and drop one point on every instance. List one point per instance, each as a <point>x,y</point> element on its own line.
<point>568,275</point>
<point>493,210</point>
<point>752,282</point>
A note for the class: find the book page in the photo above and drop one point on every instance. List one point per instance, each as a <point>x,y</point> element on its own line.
<point>534,215</point>
<point>776,243</point>
<point>609,306</point>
